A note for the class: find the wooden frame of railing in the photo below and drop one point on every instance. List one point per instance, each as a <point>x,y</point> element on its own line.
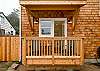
<point>52,47</point>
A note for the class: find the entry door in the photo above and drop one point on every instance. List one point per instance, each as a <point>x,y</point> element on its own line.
<point>60,30</point>
<point>60,27</point>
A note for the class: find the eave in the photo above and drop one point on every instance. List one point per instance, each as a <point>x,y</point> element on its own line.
<point>53,2</point>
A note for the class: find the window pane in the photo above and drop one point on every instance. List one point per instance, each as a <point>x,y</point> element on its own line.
<point>46,23</point>
<point>46,31</point>
<point>59,28</point>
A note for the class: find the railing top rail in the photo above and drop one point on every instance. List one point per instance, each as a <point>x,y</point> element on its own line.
<point>52,38</point>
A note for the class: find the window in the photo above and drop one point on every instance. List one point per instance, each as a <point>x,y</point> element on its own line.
<point>50,27</point>
<point>46,28</point>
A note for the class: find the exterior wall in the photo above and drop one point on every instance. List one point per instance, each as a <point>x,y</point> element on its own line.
<point>26,30</point>
<point>4,24</point>
<point>87,25</point>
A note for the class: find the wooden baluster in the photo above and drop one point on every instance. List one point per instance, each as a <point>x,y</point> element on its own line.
<point>47,47</point>
<point>53,51</point>
<point>61,47</point>
<point>28,47</point>
<point>66,48</point>
<point>58,47</point>
<point>75,49</point>
<point>72,47</point>
<point>36,48</point>
<point>44,47</point>
<point>69,47</point>
<point>77,46</point>
<point>39,47</point>
<point>31,47</point>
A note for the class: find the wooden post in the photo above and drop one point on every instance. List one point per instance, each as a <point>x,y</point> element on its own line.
<point>24,51</point>
<point>81,52</point>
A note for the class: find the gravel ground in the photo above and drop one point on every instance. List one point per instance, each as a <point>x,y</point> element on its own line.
<point>89,67</point>
<point>86,67</point>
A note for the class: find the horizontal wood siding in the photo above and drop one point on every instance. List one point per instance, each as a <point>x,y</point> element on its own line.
<point>9,48</point>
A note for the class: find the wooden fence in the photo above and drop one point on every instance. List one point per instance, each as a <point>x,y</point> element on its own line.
<point>9,48</point>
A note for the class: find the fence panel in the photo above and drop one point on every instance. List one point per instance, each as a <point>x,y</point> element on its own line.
<point>9,48</point>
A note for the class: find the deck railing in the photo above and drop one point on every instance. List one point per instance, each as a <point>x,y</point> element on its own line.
<point>56,46</point>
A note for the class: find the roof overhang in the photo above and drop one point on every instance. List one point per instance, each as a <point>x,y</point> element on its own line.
<point>52,2</point>
<point>53,5</point>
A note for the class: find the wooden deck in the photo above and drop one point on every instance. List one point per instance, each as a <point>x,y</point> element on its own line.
<point>52,51</point>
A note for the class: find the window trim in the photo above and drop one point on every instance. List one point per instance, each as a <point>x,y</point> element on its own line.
<point>52,26</point>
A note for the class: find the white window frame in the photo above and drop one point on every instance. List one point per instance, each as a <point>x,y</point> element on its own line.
<point>52,25</point>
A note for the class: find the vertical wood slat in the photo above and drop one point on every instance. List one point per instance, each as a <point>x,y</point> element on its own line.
<point>39,47</point>
<point>47,47</point>
<point>52,51</point>
<point>4,48</point>
<point>36,48</point>
<point>44,47</point>
<point>72,47</point>
<point>58,47</point>
<point>17,49</point>
<point>61,47</point>
<point>77,44</point>
<point>66,48</point>
<point>75,48</point>
<point>31,47</point>
<point>69,48</point>
<point>27,47</point>
<point>12,49</point>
